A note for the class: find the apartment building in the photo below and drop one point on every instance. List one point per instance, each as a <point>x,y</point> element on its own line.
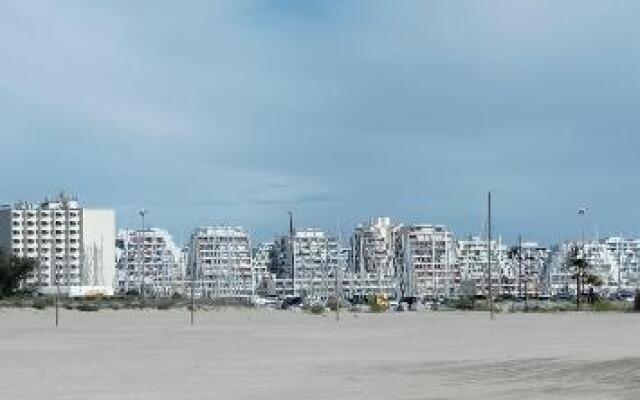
<point>624,256</point>
<point>74,246</point>
<point>309,271</point>
<point>220,258</point>
<point>472,257</point>
<point>424,261</point>
<point>148,260</point>
<point>615,260</point>
<point>525,271</point>
<point>373,249</point>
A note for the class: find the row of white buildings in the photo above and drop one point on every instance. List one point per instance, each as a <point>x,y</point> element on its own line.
<point>79,252</point>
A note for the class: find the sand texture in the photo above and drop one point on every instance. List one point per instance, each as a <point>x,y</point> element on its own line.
<point>268,354</point>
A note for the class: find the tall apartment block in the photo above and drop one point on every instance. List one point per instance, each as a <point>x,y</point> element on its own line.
<point>424,261</point>
<point>616,260</point>
<point>624,255</point>
<point>313,264</point>
<point>220,258</point>
<point>473,263</point>
<point>152,254</point>
<point>373,248</point>
<point>263,258</point>
<point>525,271</point>
<point>74,246</point>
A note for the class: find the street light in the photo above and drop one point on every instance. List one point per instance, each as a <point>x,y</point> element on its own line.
<point>582,213</point>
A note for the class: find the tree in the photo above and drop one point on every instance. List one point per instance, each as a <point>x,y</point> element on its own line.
<point>13,270</point>
<point>579,264</point>
<point>583,275</point>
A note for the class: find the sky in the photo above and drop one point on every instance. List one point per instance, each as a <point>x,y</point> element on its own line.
<point>237,111</point>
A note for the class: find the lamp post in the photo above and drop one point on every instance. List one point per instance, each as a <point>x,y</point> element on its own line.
<point>582,213</point>
<point>142,214</point>
<point>292,255</point>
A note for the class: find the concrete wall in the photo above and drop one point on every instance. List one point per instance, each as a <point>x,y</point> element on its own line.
<point>99,251</point>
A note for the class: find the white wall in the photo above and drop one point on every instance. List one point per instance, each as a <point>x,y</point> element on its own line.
<point>98,241</point>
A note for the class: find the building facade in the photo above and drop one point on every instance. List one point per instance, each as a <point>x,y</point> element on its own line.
<point>220,261</point>
<point>472,257</point>
<point>424,261</point>
<point>306,263</point>
<point>372,248</point>
<point>148,260</point>
<point>74,246</point>
<point>525,270</point>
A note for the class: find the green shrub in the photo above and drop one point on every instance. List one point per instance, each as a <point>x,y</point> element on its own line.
<point>332,304</point>
<point>316,309</point>
<point>166,304</point>
<point>463,303</point>
<point>87,307</point>
<point>378,307</point>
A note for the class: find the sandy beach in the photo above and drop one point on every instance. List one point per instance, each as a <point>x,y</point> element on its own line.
<point>268,354</point>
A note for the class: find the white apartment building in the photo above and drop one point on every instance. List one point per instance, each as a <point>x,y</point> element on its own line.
<point>74,246</point>
<point>152,254</point>
<point>560,279</point>
<point>263,257</point>
<point>264,277</point>
<point>618,263</point>
<point>220,258</point>
<point>424,261</point>
<point>616,260</point>
<point>311,269</point>
<point>372,248</point>
<point>525,271</point>
<point>472,256</point>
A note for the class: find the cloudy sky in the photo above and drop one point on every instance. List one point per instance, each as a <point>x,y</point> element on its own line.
<point>234,112</point>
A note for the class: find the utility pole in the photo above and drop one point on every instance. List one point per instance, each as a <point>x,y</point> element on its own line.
<point>291,255</point>
<point>434,283</point>
<point>193,284</point>
<point>57,296</point>
<point>491,316</point>
<point>526,284</point>
<point>142,214</point>
<point>337,273</point>
<point>519,267</point>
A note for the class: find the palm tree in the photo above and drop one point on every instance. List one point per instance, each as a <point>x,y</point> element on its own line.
<point>579,264</point>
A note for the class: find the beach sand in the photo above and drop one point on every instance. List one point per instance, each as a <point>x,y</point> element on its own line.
<point>285,355</point>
